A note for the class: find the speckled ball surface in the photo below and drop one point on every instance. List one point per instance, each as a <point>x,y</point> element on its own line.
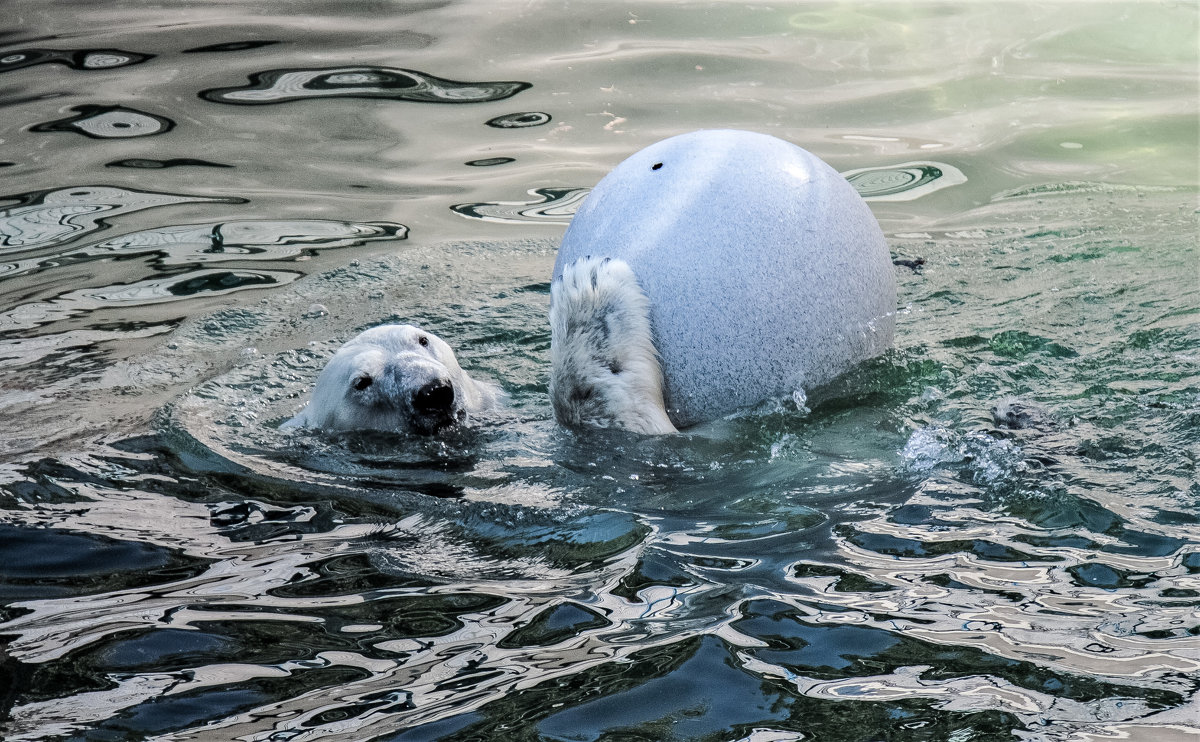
<point>766,272</point>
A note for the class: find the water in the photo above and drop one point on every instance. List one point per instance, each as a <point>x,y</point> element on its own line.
<point>989,533</point>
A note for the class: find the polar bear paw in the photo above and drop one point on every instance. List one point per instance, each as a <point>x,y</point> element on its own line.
<point>605,367</point>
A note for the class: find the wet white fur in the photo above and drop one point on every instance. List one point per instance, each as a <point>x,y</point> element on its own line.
<point>605,369</point>
<point>398,365</point>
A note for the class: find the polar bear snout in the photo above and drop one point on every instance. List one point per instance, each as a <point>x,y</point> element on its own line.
<point>435,407</point>
<point>436,396</point>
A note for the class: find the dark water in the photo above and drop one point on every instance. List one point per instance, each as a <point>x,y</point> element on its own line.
<point>992,532</point>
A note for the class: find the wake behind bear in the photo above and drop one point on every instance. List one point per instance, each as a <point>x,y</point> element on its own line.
<point>704,274</point>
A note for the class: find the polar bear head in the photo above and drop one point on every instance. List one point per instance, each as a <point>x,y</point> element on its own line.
<point>396,378</point>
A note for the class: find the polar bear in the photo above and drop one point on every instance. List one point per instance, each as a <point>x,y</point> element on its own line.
<point>396,378</point>
<point>707,273</point>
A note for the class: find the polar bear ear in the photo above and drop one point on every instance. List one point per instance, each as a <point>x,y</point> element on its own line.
<point>362,381</point>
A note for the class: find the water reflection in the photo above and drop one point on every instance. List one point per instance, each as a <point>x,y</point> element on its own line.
<point>904,182</point>
<point>109,122</point>
<point>187,245</point>
<point>281,86</point>
<point>231,46</point>
<point>81,302</point>
<point>490,161</point>
<point>220,242</point>
<point>147,164</point>
<point>555,206</point>
<point>519,120</point>
<point>78,59</point>
<point>52,217</point>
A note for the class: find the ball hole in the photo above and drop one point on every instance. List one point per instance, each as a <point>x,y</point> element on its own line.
<point>656,166</point>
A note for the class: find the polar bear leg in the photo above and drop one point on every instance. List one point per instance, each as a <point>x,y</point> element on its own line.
<point>605,368</point>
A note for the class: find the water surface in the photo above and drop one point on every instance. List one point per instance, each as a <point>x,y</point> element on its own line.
<point>202,203</point>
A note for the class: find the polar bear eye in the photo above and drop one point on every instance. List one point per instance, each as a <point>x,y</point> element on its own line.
<point>424,341</point>
<point>362,382</point>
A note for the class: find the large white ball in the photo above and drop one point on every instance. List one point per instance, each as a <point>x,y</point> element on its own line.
<point>766,272</point>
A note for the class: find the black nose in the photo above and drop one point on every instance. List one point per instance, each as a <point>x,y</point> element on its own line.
<point>436,396</point>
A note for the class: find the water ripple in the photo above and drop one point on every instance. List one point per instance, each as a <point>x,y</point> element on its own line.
<point>109,122</point>
<point>283,85</point>
<point>904,182</point>
<point>80,302</point>
<point>143,163</point>
<point>231,46</point>
<point>519,120</point>
<point>220,242</point>
<point>555,206</point>
<point>55,216</point>
<point>78,59</point>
